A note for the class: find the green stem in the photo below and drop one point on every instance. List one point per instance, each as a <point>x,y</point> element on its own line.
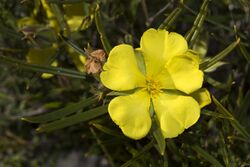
<point>105,42</point>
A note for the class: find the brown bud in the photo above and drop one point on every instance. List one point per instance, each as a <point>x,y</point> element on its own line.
<point>95,62</point>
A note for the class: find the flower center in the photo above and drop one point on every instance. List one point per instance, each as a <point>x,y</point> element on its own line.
<point>153,86</point>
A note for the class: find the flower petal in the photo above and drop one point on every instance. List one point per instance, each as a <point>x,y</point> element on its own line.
<point>175,113</point>
<point>153,47</point>
<point>134,121</point>
<point>165,79</point>
<point>121,72</point>
<point>176,45</point>
<point>158,46</point>
<point>75,22</point>
<point>185,73</point>
<point>202,96</point>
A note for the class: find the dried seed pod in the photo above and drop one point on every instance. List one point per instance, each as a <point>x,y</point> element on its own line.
<point>95,62</point>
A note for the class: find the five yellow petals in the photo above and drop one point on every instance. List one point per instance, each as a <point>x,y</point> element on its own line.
<point>172,82</point>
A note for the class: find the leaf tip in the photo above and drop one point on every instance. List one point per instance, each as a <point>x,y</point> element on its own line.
<point>24,119</point>
<point>39,129</point>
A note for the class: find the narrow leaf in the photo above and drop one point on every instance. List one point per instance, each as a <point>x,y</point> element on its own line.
<point>224,151</point>
<point>156,131</point>
<point>173,148</point>
<point>238,138</point>
<point>244,106</point>
<point>160,140</point>
<point>216,84</point>
<point>205,65</point>
<point>196,28</point>
<point>139,154</point>
<point>73,45</point>
<point>42,68</point>
<point>215,23</point>
<point>215,114</point>
<point>244,52</point>
<point>167,23</point>
<point>122,93</point>
<point>203,13</point>
<point>105,43</point>
<point>99,142</point>
<point>58,114</point>
<point>107,130</point>
<point>165,160</point>
<point>207,156</point>
<point>74,119</point>
<point>233,121</point>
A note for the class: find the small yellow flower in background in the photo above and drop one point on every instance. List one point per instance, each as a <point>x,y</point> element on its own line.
<point>42,57</point>
<point>50,15</point>
<point>77,17</point>
<point>78,60</point>
<point>171,81</point>
<point>44,50</point>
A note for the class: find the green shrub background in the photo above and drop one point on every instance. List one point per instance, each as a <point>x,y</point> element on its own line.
<point>221,136</point>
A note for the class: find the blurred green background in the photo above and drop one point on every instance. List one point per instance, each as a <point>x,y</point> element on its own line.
<point>216,140</point>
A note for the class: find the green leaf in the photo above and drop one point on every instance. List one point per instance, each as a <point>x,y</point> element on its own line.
<point>207,156</point>
<point>42,68</point>
<point>104,149</point>
<point>73,119</point>
<point>173,148</point>
<point>167,23</point>
<point>238,138</point>
<point>244,52</point>
<point>73,46</point>
<point>139,154</point>
<point>233,121</point>
<point>105,42</point>
<point>244,106</point>
<point>123,93</point>
<point>217,84</point>
<point>227,157</point>
<point>165,160</point>
<point>196,28</point>
<point>58,114</point>
<point>215,23</point>
<point>215,66</point>
<point>215,114</point>
<point>8,32</point>
<point>160,140</point>
<point>156,131</point>
<point>205,65</point>
<point>107,130</point>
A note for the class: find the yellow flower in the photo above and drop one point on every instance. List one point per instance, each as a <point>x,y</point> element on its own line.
<point>78,60</point>
<point>42,57</point>
<point>171,81</point>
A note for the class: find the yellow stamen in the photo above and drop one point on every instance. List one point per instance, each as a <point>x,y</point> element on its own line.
<point>153,86</point>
